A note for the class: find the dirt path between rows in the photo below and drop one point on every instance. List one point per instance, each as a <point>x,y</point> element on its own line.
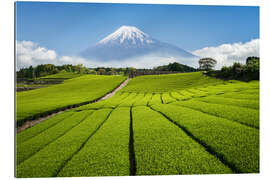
<point>32,123</point>
<point>116,90</point>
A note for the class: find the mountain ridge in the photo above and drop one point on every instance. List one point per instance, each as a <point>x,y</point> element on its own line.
<point>129,42</point>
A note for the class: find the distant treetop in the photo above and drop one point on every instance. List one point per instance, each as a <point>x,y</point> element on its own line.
<point>207,63</point>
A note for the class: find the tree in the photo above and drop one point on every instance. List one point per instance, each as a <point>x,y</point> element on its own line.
<point>113,71</point>
<point>126,72</point>
<point>79,69</point>
<point>132,72</point>
<point>91,71</point>
<point>30,72</point>
<point>252,59</point>
<point>67,67</point>
<point>237,70</point>
<point>252,69</point>
<point>207,63</point>
<point>101,71</point>
<point>175,67</point>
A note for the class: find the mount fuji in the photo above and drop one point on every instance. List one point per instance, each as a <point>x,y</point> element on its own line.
<point>128,42</point>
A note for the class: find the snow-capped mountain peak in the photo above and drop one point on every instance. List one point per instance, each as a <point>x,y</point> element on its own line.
<point>129,42</point>
<point>126,33</point>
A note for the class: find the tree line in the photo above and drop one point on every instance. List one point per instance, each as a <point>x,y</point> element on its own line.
<point>245,72</point>
<point>49,69</point>
<point>175,67</point>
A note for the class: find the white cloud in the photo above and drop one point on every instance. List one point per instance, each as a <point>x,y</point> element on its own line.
<point>227,54</point>
<point>29,53</point>
<point>147,61</point>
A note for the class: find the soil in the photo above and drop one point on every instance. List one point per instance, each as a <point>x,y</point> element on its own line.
<point>115,91</point>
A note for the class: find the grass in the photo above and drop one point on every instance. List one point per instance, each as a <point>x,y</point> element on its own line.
<point>44,125</point>
<point>249,117</point>
<point>156,99</point>
<point>129,100</point>
<point>167,98</point>
<point>253,104</point>
<point>168,83</point>
<point>179,96</point>
<point>143,101</point>
<point>115,100</point>
<point>30,104</point>
<point>66,75</point>
<point>240,95</point>
<point>157,125</point>
<point>235,144</point>
<point>161,148</point>
<point>107,152</point>
<point>56,154</point>
<point>29,147</point>
<point>197,92</point>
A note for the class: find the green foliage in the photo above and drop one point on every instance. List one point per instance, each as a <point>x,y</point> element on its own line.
<point>50,69</point>
<point>197,92</point>
<point>242,95</point>
<point>167,98</point>
<point>237,144</point>
<point>143,101</point>
<point>116,100</point>
<point>175,67</point>
<point>44,125</point>
<point>229,101</point>
<point>29,147</point>
<point>161,148</point>
<point>207,126</point>
<point>101,71</point>
<point>207,63</point>
<point>245,116</point>
<point>252,59</point>
<point>59,151</point>
<point>129,100</point>
<point>63,74</point>
<point>252,69</point>
<point>107,152</point>
<point>169,83</point>
<point>129,71</point>
<point>156,99</point>
<point>249,71</point>
<point>73,91</point>
<point>179,96</point>
<point>229,86</point>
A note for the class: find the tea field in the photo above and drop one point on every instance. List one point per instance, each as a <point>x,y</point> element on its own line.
<point>82,89</point>
<point>156,125</point>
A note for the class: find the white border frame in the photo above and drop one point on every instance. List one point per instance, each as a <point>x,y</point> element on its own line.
<point>7,87</point>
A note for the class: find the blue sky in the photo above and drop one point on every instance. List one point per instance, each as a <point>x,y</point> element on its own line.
<point>69,28</point>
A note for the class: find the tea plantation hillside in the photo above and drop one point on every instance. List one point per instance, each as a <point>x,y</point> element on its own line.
<point>171,82</point>
<point>156,125</point>
<point>77,90</point>
<point>66,75</point>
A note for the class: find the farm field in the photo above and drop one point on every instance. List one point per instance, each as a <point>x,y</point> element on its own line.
<point>30,104</point>
<point>156,125</point>
<point>66,75</point>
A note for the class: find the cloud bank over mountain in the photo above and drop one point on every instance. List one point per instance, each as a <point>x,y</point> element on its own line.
<point>126,47</point>
<point>227,54</point>
<point>129,42</point>
<point>30,53</point>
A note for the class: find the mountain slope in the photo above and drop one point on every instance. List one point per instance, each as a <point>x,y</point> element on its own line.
<point>129,42</point>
